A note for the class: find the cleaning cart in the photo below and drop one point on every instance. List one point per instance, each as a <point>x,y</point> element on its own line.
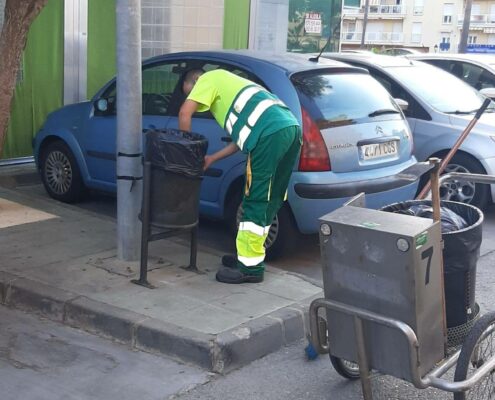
<point>384,307</point>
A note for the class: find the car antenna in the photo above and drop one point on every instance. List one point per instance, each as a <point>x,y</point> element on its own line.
<point>317,58</point>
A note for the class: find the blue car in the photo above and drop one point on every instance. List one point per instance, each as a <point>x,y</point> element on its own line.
<point>355,138</point>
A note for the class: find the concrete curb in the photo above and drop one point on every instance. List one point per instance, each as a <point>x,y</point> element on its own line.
<point>219,353</point>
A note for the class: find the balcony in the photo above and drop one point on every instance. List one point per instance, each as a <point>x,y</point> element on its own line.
<point>376,12</point>
<point>479,21</point>
<point>373,37</point>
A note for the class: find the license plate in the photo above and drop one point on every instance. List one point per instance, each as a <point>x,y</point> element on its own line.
<point>379,150</point>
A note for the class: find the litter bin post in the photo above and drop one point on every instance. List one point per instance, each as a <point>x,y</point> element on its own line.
<point>145,231</point>
<point>172,175</point>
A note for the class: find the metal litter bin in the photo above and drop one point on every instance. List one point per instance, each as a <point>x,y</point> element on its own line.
<point>177,160</point>
<point>460,255</point>
<point>172,174</point>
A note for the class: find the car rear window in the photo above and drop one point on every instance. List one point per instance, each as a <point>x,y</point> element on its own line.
<point>336,99</point>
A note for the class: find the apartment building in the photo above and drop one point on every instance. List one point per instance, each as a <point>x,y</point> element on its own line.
<point>424,25</point>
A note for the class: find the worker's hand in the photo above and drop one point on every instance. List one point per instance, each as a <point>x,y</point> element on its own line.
<point>208,161</point>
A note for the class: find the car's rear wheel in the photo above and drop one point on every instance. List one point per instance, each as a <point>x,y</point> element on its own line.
<point>465,192</point>
<point>60,173</point>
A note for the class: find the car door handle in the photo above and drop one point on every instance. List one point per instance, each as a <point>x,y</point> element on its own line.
<point>227,139</point>
<point>151,126</point>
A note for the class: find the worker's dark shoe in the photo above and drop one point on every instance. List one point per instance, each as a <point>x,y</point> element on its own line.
<point>236,276</point>
<point>229,260</point>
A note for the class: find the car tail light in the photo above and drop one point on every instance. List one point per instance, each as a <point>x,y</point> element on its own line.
<point>314,153</point>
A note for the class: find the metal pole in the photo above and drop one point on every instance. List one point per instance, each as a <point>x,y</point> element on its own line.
<point>363,361</point>
<point>365,22</point>
<point>435,188</point>
<point>456,146</point>
<point>465,26</point>
<point>129,126</point>
<point>146,229</point>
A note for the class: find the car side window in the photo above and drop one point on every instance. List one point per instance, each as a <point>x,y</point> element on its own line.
<point>444,64</point>
<point>414,110</point>
<point>159,82</point>
<point>179,96</point>
<point>477,77</point>
<point>456,68</point>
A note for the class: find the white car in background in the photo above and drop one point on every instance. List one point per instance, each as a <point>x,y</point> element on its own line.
<point>400,51</point>
<point>440,106</point>
<point>477,70</point>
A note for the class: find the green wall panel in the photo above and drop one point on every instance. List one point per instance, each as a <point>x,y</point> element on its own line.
<point>40,84</point>
<point>236,24</point>
<point>101,44</point>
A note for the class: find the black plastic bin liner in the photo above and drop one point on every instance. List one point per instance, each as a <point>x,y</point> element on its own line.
<point>177,151</point>
<point>177,160</point>
<point>450,221</point>
<point>460,256</point>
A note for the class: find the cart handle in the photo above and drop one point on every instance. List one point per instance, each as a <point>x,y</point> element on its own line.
<point>466,177</point>
<point>406,330</point>
<point>433,379</point>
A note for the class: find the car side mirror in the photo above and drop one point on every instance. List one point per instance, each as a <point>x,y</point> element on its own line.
<point>101,105</point>
<point>488,92</point>
<point>404,105</point>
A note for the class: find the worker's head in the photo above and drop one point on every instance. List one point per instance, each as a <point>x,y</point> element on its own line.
<point>190,80</point>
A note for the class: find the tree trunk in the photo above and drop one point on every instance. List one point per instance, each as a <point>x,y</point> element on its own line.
<point>465,27</point>
<point>18,17</point>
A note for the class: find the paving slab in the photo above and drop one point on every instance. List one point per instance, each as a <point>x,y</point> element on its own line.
<point>63,265</point>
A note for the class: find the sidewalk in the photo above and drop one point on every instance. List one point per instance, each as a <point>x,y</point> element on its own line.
<point>60,261</point>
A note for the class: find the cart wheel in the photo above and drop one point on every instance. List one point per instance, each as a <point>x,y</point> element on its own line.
<point>347,369</point>
<point>478,347</point>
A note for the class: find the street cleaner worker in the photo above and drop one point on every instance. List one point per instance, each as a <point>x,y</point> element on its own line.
<point>262,127</point>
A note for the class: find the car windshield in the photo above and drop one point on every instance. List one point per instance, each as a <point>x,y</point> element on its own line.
<point>344,98</point>
<point>438,88</point>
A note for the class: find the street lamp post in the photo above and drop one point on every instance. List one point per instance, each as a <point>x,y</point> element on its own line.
<point>129,129</point>
<point>465,27</point>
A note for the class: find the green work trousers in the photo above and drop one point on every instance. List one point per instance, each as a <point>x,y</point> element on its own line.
<point>268,171</point>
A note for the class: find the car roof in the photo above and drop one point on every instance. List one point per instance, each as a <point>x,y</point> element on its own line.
<point>380,60</point>
<point>480,58</point>
<point>289,62</point>
<point>413,51</point>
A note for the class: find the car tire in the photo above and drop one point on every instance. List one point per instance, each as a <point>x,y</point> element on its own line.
<point>476,194</point>
<point>60,173</point>
<point>283,232</point>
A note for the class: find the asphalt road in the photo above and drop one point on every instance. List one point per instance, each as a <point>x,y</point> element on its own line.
<point>42,360</point>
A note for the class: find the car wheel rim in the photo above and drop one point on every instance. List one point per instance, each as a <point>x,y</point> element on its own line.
<point>58,172</point>
<point>272,233</point>
<point>455,190</point>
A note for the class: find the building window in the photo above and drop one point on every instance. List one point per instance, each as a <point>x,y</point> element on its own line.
<point>418,7</point>
<point>472,39</point>
<point>448,11</point>
<point>416,34</point>
<point>445,44</point>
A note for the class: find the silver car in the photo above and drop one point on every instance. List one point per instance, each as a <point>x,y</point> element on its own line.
<point>439,108</point>
<point>477,70</point>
